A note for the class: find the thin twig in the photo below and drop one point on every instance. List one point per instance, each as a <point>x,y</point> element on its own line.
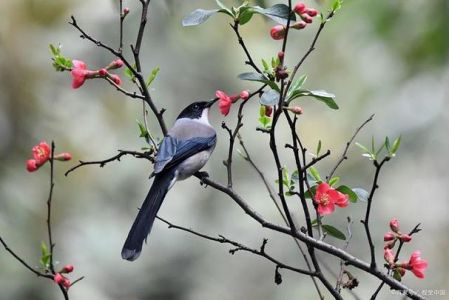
<point>345,247</point>
<point>345,152</point>
<point>250,60</point>
<point>102,163</point>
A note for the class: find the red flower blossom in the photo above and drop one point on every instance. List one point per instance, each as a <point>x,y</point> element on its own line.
<point>417,265</point>
<point>79,73</point>
<point>41,153</point>
<point>277,32</point>
<point>224,103</point>
<point>326,198</point>
<point>32,165</point>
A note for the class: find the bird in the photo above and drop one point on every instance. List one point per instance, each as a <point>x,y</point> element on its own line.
<point>183,151</point>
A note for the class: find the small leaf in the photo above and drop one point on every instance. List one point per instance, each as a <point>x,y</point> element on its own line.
<point>310,193</point>
<point>224,9</point>
<point>395,147</point>
<point>278,13</point>
<point>296,85</point>
<point>245,15</point>
<point>337,5</point>
<point>265,65</point>
<point>143,131</point>
<point>318,148</point>
<point>347,191</point>
<point>269,98</point>
<point>362,147</point>
<point>387,144</point>
<point>314,172</point>
<point>397,275</point>
<point>152,76</point>
<point>264,121</point>
<point>332,231</point>
<point>198,17</point>
<point>334,180</point>
<point>253,76</point>
<point>362,194</point>
<point>295,175</point>
<point>320,95</point>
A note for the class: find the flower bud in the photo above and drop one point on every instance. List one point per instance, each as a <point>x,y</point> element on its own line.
<point>394,225</point>
<point>63,156</point>
<point>281,55</point>
<point>66,283</point>
<point>116,79</point>
<point>277,32</point>
<point>103,72</point>
<point>58,278</point>
<point>268,111</point>
<point>300,8</point>
<point>389,256</point>
<point>67,269</point>
<point>311,12</point>
<point>299,25</point>
<point>244,95</point>
<point>234,98</point>
<point>115,64</point>
<point>405,238</point>
<point>32,165</point>
<point>125,11</point>
<point>389,236</point>
<point>401,271</point>
<point>297,110</point>
<point>389,244</point>
<point>306,18</point>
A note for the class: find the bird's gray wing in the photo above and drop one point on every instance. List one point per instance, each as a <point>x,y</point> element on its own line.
<point>173,151</point>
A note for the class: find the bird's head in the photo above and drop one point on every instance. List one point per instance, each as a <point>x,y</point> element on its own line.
<point>197,110</point>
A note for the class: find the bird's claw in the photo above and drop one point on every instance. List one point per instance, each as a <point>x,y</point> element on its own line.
<point>202,175</point>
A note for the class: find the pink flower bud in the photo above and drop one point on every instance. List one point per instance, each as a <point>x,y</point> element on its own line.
<point>389,244</point>
<point>277,32</point>
<point>297,110</point>
<point>389,236</point>
<point>103,72</point>
<point>67,269</point>
<point>116,79</point>
<point>405,238</point>
<point>299,25</point>
<point>394,225</point>
<point>244,95</point>
<point>306,18</point>
<point>234,98</point>
<point>281,55</point>
<point>311,12</point>
<point>118,63</point>
<point>300,8</point>
<point>389,256</point>
<point>66,283</point>
<point>126,11</point>
<point>58,278</point>
<point>63,156</point>
<point>32,165</point>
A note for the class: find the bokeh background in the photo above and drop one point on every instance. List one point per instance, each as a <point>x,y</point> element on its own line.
<point>389,58</point>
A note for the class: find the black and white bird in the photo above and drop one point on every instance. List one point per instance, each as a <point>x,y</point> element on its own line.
<point>183,151</point>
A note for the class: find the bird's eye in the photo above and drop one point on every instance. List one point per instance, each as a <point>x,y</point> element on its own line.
<point>196,106</point>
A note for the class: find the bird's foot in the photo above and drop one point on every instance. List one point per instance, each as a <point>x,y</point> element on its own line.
<point>202,175</point>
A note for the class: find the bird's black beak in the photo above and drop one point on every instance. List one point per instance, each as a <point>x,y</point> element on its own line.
<point>210,103</point>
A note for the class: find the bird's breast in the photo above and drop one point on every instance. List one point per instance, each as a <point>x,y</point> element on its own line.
<point>192,164</point>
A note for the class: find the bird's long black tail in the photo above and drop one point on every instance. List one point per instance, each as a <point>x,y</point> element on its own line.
<point>147,213</point>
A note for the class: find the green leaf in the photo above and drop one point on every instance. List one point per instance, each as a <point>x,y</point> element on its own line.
<point>332,231</point>
<point>198,17</point>
<point>254,76</point>
<point>387,144</point>
<point>314,172</point>
<point>295,175</point>
<point>265,65</point>
<point>309,193</point>
<point>397,275</point>
<point>245,15</point>
<point>297,84</point>
<point>128,73</point>
<point>362,194</point>
<point>152,76</point>
<point>45,256</point>
<point>337,5</point>
<point>395,147</point>
<point>264,121</point>
<point>373,147</point>
<point>143,131</point>
<point>54,50</point>
<point>320,95</point>
<point>334,180</point>
<point>224,9</point>
<point>318,148</point>
<point>278,13</point>
<point>269,98</point>
<point>348,191</point>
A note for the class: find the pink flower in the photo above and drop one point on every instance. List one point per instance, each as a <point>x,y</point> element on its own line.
<point>116,79</point>
<point>244,95</point>
<point>41,153</point>
<point>224,103</point>
<point>389,236</point>
<point>417,265</point>
<point>326,198</point>
<point>58,278</point>
<point>389,256</point>
<point>277,32</point>
<point>79,73</point>
<point>394,225</point>
<point>300,8</point>
<point>32,165</point>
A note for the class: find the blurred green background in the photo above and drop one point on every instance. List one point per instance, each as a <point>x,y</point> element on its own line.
<point>384,57</point>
